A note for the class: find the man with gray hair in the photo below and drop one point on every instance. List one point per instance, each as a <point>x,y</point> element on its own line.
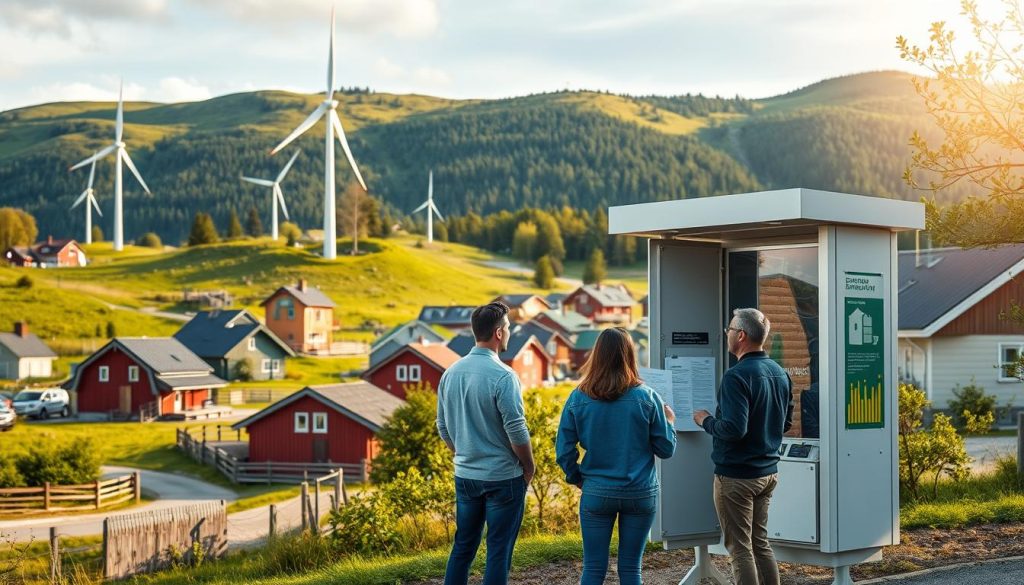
<point>755,408</point>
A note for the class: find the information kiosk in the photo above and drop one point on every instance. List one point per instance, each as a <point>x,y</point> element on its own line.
<point>822,267</point>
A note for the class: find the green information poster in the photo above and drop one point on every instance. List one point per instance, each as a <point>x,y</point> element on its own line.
<point>864,342</point>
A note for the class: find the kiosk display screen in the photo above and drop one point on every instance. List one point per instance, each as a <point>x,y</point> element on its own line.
<point>783,284</point>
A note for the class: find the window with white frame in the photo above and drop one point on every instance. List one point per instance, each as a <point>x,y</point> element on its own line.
<point>133,373</point>
<point>319,423</point>
<point>104,373</point>
<point>1009,361</point>
<point>402,373</point>
<point>275,366</point>
<point>265,366</point>
<point>301,422</point>
<point>252,344</point>
<point>414,373</point>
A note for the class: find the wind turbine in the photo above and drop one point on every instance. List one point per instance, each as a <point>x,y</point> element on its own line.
<point>431,209</point>
<point>276,196</point>
<point>117,147</point>
<point>89,197</point>
<point>329,108</point>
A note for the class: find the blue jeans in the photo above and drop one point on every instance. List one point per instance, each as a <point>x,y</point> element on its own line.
<point>597,516</point>
<point>499,505</point>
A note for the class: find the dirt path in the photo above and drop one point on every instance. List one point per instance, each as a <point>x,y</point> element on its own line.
<point>921,549</point>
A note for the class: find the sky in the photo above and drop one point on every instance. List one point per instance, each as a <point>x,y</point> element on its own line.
<point>183,50</point>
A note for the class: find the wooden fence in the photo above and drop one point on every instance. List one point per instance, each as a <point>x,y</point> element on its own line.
<point>150,541</point>
<point>268,472</point>
<point>89,496</point>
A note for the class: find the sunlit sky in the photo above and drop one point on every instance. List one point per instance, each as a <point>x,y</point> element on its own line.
<point>176,50</point>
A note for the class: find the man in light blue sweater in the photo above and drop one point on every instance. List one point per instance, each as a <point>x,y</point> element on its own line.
<point>480,417</point>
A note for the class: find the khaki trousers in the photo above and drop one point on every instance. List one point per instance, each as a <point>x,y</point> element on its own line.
<point>742,506</point>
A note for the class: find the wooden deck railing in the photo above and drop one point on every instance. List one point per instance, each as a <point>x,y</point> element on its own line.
<point>89,496</point>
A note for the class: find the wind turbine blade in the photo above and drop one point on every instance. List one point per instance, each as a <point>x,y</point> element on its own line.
<point>119,127</point>
<point>430,187</point>
<point>94,157</point>
<point>330,61</point>
<point>260,182</point>
<point>80,199</point>
<point>135,171</point>
<point>287,167</point>
<point>344,146</point>
<point>96,205</point>
<point>92,172</point>
<point>434,207</point>
<point>280,197</point>
<point>421,207</point>
<point>305,125</point>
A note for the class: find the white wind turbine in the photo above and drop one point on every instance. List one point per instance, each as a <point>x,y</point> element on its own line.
<point>89,196</point>
<point>431,209</point>
<point>329,108</point>
<point>276,196</point>
<point>117,147</point>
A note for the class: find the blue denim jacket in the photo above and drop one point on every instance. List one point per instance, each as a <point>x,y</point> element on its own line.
<point>620,439</point>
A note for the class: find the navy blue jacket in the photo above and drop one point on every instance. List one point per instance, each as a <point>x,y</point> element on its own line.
<point>755,407</point>
<point>621,439</point>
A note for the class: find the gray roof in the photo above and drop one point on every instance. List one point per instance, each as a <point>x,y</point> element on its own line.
<point>213,334</point>
<point>608,295</point>
<point>190,381</point>
<point>410,331</point>
<point>462,343</point>
<point>361,401</point>
<point>519,299</point>
<point>946,278</point>
<point>164,355</point>
<point>453,315</point>
<point>570,321</point>
<point>29,346</point>
<point>542,333</point>
<point>311,297</point>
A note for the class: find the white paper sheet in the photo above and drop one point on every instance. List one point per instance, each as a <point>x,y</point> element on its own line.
<point>693,388</point>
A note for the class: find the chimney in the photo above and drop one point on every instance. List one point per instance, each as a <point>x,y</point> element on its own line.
<point>21,329</point>
<point>302,284</point>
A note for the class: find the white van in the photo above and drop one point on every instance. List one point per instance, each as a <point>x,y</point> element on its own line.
<point>42,402</point>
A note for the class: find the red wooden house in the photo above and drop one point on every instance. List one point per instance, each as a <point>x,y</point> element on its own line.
<point>602,303</point>
<point>525,355</point>
<point>129,374</point>
<point>413,364</point>
<point>335,423</point>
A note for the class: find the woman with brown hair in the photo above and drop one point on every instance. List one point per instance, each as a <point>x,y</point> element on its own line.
<point>622,425</point>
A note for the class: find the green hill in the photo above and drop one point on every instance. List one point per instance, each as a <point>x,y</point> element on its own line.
<point>584,149</point>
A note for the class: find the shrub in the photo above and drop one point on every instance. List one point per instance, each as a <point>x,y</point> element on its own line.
<point>9,474</point>
<point>971,400</point>
<point>367,525</point>
<point>290,232</point>
<point>409,438</point>
<point>243,370</point>
<point>149,240</point>
<point>67,463</point>
<point>298,554</point>
<point>554,502</point>
<point>25,281</point>
<point>930,452</point>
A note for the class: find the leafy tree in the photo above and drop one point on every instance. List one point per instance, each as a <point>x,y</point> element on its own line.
<point>974,99</point>
<point>440,231</point>
<point>234,226</point>
<point>624,252</point>
<point>111,330</point>
<point>290,232</point>
<point>149,240</point>
<point>549,237</point>
<point>594,272</point>
<point>17,228</point>
<point>548,485</point>
<point>409,438</point>
<point>970,405</point>
<point>544,274</point>
<point>353,219</point>
<point>524,241</point>
<point>97,234</point>
<point>203,230</point>
<point>253,225</point>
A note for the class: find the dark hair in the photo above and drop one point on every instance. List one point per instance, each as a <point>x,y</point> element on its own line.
<point>611,368</point>
<point>487,319</point>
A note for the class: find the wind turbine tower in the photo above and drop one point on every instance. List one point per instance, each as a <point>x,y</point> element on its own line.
<point>431,209</point>
<point>276,195</point>
<point>89,196</point>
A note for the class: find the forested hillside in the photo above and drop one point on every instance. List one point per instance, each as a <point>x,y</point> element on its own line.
<point>580,149</point>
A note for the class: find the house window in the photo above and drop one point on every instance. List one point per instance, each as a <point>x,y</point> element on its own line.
<point>320,423</point>
<point>275,366</point>
<point>252,344</point>
<point>552,348</point>
<point>284,306</point>
<point>414,373</point>
<point>402,373</point>
<point>104,373</point>
<point>301,422</point>
<point>265,366</point>
<point>318,314</point>
<point>133,373</point>
<point>1009,360</point>
<point>528,359</point>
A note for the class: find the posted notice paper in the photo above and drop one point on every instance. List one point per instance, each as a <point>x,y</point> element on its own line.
<point>687,384</point>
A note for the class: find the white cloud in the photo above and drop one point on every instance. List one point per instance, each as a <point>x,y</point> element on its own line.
<point>432,76</point>
<point>401,18</point>
<point>176,89</point>
<point>384,67</point>
<point>56,16</point>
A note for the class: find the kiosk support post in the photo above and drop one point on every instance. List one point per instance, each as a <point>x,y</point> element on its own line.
<point>842,576</point>
<point>703,568</point>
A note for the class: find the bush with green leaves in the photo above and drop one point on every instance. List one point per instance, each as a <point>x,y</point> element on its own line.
<point>9,474</point>
<point>552,504</point>
<point>368,524</point>
<point>59,462</point>
<point>149,240</point>
<point>409,438</point>
<point>24,281</point>
<point>243,370</point>
<point>971,400</point>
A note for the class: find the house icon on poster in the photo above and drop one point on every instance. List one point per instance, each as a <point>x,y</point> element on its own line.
<point>856,327</point>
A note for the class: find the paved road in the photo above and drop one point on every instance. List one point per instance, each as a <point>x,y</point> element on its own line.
<point>993,573</point>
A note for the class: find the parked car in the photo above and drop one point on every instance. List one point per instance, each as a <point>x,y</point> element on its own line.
<point>7,418</point>
<point>42,402</point>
